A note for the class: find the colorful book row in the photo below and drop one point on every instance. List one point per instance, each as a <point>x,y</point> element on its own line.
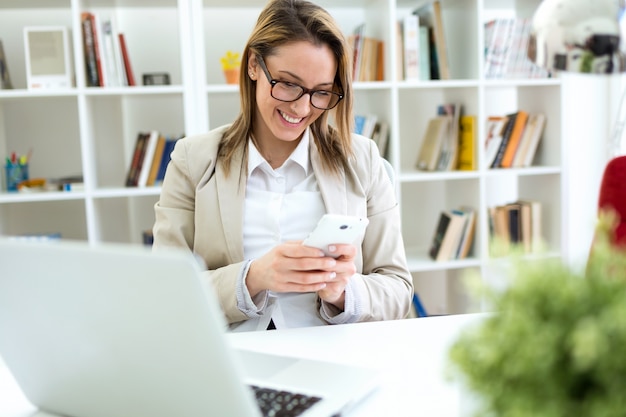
<point>150,159</point>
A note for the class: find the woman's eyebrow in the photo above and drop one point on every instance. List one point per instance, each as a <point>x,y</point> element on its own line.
<point>285,72</point>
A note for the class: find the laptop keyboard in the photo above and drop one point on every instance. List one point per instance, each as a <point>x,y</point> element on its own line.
<point>277,403</point>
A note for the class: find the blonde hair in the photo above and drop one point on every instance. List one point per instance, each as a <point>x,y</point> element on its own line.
<point>279,23</point>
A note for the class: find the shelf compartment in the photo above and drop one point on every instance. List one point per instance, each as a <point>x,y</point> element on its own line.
<point>133,215</point>
<point>44,217</point>
<point>117,120</point>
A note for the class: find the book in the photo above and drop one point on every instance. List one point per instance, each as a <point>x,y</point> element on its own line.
<point>526,225</point>
<point>132,175</point>
<point>381,137</point>
<point>92,75</point>
<point>467,236</point>
<point>494,129</point>
<point>147,237</point>
<point>359,123</point>
<point>514,139</point>
<point>431,16</point>
<point>499,32</point>
<point>533,225</point>
<point>355,39</point>
<point>156,160</point>
<point>101,55</point>
<point>411,42</point>
<point>430,148</point>
<point>501,235</point>
<point>506,135</point>
<point>128,69</point>
<point>467,140</point>
<point>530,141</point>
<point>371,62</point>
<point>440,41</point>
<point>170,142</point>
<point>112,62</point>
<point>447,235</point>
<point>448,155</point>
<point>424,58</point>
<point>148,156</point>
<point>440,232</point>
<point>513,211</point>
<point>5,78</point>
<point>399,45</point>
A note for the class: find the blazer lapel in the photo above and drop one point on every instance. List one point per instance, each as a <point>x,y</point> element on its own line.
<point>332,187</point>
<point>231,192</point>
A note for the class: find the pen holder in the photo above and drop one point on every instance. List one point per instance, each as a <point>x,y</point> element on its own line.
<point>15,174</point>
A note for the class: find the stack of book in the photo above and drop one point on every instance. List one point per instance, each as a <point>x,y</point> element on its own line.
<point>367,55</point>
<point>421,45</point>
<point>107,62</point>
<point>506,45</point>
<point>454,234</point>
<point>512,140</point>
<point>439,148</point>
<point>150,158</point>
<point>370,126</point>
<point>515,224</point>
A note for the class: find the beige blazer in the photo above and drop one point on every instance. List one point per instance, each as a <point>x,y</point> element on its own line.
<point>200,208</point>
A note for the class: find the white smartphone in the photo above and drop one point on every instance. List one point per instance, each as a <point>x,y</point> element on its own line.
<point>335,229</point>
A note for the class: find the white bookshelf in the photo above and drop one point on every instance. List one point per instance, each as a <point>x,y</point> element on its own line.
<point>93,130</point>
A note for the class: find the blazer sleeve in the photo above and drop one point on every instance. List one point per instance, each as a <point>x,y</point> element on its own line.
<point>191,167</point>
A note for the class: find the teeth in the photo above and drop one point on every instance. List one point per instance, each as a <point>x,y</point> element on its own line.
<point>291,119</point>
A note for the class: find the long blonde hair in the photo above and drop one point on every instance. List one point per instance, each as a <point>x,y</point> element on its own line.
<point>282,22</point>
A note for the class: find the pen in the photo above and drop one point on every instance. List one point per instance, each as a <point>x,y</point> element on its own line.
<point>8,162</point>
<point>13,158</point>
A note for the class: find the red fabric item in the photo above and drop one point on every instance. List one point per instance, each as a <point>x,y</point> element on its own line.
<point>613,195</point>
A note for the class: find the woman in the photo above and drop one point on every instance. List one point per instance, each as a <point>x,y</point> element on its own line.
<point>244,196</point>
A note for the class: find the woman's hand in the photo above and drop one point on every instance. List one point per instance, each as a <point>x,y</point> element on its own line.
<point>293,267</point>
<point>290,267</point>
<point>334,292</point>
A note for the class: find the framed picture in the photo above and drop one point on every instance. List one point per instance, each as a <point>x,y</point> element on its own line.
<point>48,62</point>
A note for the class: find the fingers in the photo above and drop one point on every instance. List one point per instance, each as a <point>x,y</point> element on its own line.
<point>345,252</point>
<point>293,267</point>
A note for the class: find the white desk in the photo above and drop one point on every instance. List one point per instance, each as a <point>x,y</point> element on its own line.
<point>411,355</point>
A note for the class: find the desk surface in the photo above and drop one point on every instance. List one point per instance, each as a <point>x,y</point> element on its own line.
<point>411,355</point>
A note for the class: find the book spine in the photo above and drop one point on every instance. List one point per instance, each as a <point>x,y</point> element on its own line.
<point>130,76</point>
<point>410,31</point>
<point>156,160</point>
<point>98,44</point>
<point>506,135</point>
<point>110,64</point>
<point>440,42</point>
<point>150,148</point>
<point>514,140</point>
<point>440,232</point>
<point>534,139</point>
<point>467,154</point>
<point>134,162</point>
<point>424,58</point>
<point>91,63</point>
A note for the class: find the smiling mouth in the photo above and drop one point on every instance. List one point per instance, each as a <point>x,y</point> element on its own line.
<point>289,119</point>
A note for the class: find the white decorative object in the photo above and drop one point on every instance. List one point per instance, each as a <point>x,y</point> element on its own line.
<point>48,62</point>
<point>578,36</point>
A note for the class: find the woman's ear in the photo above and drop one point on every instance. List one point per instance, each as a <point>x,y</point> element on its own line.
<point>252,67</point>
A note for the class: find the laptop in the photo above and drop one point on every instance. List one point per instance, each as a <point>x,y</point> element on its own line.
<point>114,330</point>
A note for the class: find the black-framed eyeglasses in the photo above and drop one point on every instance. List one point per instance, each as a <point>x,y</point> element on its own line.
<point>286,91</point>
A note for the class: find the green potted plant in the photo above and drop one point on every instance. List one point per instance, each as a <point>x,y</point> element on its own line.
<point>554,346</point>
